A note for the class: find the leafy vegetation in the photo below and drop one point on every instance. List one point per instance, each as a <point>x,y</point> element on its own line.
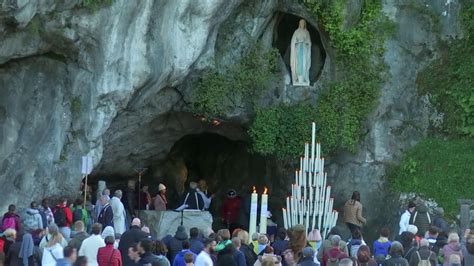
<point>95,5</point>
<point>442,170</point>
<point>238,86</point>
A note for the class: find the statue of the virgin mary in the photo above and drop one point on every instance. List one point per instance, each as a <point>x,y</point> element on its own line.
<point>300,56</point>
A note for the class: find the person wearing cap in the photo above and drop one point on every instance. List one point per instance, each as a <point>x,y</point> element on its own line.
<point>161,203</point>
<point>405,218</point>
<point>230,210</point>
<point>308,257</point>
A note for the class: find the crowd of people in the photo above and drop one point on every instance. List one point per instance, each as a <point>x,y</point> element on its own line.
<point>101,234</point>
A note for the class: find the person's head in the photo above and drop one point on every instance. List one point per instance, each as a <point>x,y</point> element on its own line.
<point>453,238</point>
<point>146,229</point>
<point>109,240</point>
<point>162,189</point>
<point>145,188</point>
<point>363,254</point>
<point>133,253</point>
<point>268,250</point>
<point>411,206</point>
<point>202,184</point>
<point>433,231</point>
<point>45,203</point>
<point>335,239</point>
<point>231,193</point>
<point>439,211</point>
<point>209,245</point>
<point>188,257</point>
<point>281,234</point>
<point>53,229</point>
<point>193,185</point>
<point>118,193</point>
<point>308,252</point>
<point>236,231</point>
<point>78,202</point>
<point>10,233</point>
<point>186,244</point>
<point>406,238</point>
<point>81,261</point>
<point>384,232</point>
<point>470,244</point>
<point>424,243</point>
<point>79,226</point>
<point>193,232</point>
<point>396,249</point>
<point>412,229</point>
<point>224,234</point>
<point>236,242</point>
<point>104,199</point>
<point>255,236</point>
<point>63,201</point>
<point>34,205</point>
<point>356,234</point>
<point>298,239</point>
<point>355,196</point>
<point>346,262</point>
<point>144,246</point>
<point>70,253</point>
<point>131,184</point>
<point>96,228</point>
<point>106,192</point>
<point>302,24</point>
<point>11,208</point>
<point>160,248</point>
<point>244,237</point>
<point>136,222</point>
<point>262,239</point>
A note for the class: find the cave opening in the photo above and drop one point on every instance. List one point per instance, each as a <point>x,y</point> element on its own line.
<point>285,27</point>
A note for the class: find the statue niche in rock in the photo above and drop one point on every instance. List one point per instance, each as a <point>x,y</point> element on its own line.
<point>300,56</point>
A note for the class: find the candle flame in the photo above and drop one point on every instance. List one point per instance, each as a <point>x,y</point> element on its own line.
<point>265,191</point>
<point>254,190</point>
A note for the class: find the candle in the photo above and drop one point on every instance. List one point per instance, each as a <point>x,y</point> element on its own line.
<point>335,219</point>
<point>285,219</point>
<point>307,217</point>
<point>313,139</point>
<point>263,212</point>
<point>253,212</point>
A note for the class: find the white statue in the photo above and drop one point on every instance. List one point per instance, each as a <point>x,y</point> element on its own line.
<point>300,56</point>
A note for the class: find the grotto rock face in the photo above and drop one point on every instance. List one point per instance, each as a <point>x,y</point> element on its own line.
<point>117,84</point>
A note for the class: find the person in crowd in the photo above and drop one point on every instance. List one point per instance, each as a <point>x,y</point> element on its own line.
<point>23,252</point>
<point>81,261</point>
<point>254,244</point>
<point>250,256</point>
<point>98,204</point>
<point>423,255</point>
<point>109,231</point>
<point>355,242</point>
<point>226,256</point>
<point>364,258</point>
<point>119,212</point>
<point>189,259</point>
<point>144,249</point>
<point>129,200</point>
<point>161,201</point>
<point>193,199</point>
<point>79,213</point>
<point>439,221</point>
<point>268,255</point>
<point>453,247</point>
<point>431,235</point>
<point>79,235</point>
<point>262,243</point>
<point>195,241</point>
<point>308,257</point>
<point>11,220</point>
<point>353,212</point>
<point>160,250</point>
<point>326,244</point>
<point>281,243</point>
<point>230,209</point>
<point>69,257</point>
<point>296,244</point>
<point>175,243</point>
<point>133,255</point>
<point>204,257</point>
<point>396,255</point>
<point>90,246</point>
<point>108,255</point>
<point>223,237</point>
<point>335,254</point>
<point>409,244</point>
<point>405,218</point>
<point>441,241</point>
<point>414,230</point>
<point>129,239</point>
<point>421,219</point>
<point>345,262</point>
<point>106,216</point>
<point>467,247</point>
<point>382,244</point>
<point>32,219</point>
<point>202,190</point>
<point>8,239</point>
<point>54,249</point>
<point>46,213</point>
<point>145,198</point>
<point>239,256</point>
<point>63,218</point>
<point>52,231</point>
<point>179,258</point>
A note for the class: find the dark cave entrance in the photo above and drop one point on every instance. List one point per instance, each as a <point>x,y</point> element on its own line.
<point>286,26</point>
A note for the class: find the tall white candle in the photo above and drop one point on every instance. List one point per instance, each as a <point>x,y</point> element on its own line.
<point>253,212</point>
<point>264,213</point>
<point>285,219</point>
<point>335,219</point>
<point>313,139</point>
<point>288,209</point>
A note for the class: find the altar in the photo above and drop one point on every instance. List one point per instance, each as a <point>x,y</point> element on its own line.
<point>162,223</point>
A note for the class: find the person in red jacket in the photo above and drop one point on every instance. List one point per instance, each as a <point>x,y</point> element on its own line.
<point>230,210</point>
<point>108,255</point>
<point>63,218</point>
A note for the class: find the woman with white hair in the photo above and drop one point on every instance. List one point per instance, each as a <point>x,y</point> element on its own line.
<point>452,248</point>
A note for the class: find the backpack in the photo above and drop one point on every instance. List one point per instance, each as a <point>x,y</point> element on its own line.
<point>425,262</point>
<point>9,222</point>
<point>77,215</point>
<point>60,217</point>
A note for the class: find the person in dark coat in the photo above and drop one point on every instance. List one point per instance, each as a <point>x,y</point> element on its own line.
<point>226,256</point>
<point>146,256</point>
<point>308,257</point>
<point>193,199</point>
<point>439,220</point>
<point>230,210</point>
<point>175,244</point>
<point>195,241</point>
<point>423,253</point>
<point>129,239</point>
<point>23,252</point>
<point>250,256</point>
<point>396,253</point>
<point>421,218</point>
<point>129,200</point>
<point>106,216</point>
<point>281,244</point>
